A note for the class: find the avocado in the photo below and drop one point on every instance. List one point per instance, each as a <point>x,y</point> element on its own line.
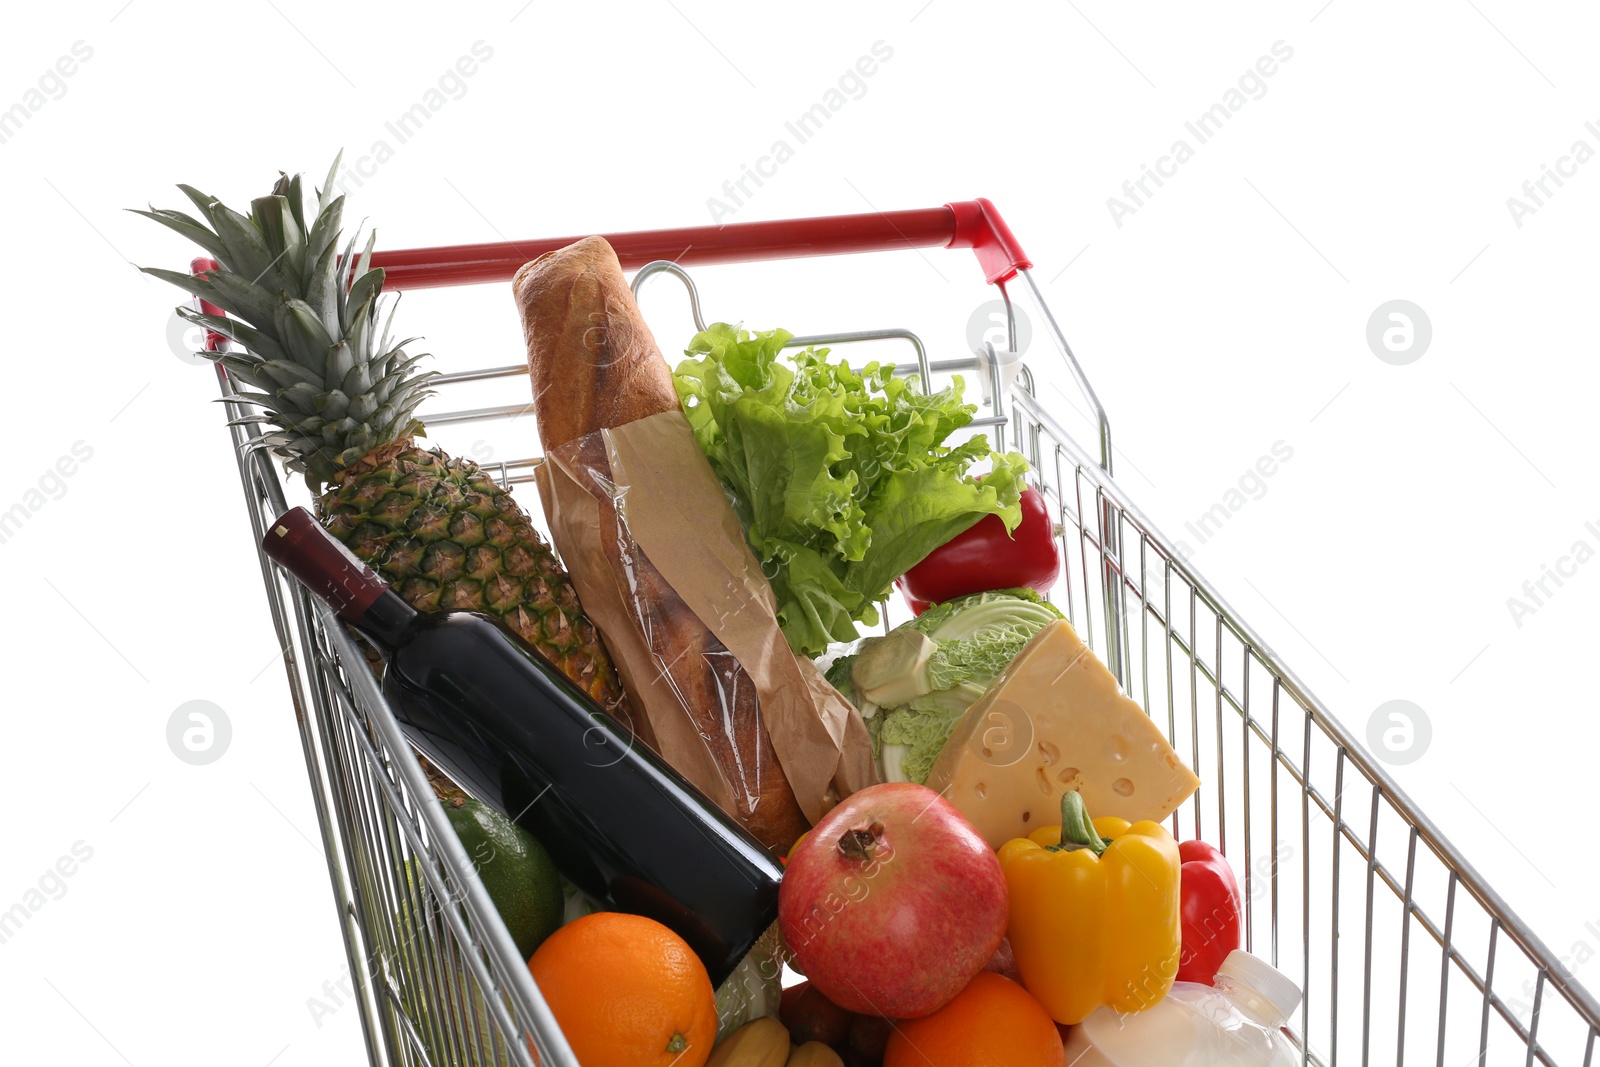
<point>515,869</point>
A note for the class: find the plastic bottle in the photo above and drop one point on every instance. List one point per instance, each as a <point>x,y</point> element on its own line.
<point>1238,1022</point>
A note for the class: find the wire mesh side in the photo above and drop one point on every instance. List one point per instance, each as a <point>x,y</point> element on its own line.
<point>438,981</point>
<point>1404,953</point>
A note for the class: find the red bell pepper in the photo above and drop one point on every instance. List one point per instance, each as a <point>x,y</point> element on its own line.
<point>985,557</point>
<point>1211,908</point>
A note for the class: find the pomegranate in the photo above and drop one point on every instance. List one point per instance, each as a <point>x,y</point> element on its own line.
<point>893,902</point>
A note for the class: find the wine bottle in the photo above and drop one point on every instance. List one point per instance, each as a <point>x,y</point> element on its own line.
<point>619,822</point>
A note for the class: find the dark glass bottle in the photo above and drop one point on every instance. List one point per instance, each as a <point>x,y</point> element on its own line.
<point>620,823</point>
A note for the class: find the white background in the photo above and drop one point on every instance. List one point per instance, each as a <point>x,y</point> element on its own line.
<point>1228,313</point>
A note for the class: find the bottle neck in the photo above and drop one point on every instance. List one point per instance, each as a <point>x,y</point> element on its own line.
<point>1250,1003</point>
<point>389,622</point>
<point>333,574</point>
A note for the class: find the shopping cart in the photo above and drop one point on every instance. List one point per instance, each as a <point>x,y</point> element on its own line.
<point>1404,952</point>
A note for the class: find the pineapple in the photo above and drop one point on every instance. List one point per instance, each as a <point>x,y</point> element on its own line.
<point>339,400</point>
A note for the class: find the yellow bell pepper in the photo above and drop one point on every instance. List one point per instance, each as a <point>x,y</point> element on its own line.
<point>1094,912</point>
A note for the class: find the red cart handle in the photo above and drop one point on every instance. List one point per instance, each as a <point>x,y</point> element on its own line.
<point>974,224</point>
<point>214,342</point>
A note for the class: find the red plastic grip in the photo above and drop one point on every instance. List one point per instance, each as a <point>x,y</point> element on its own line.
<point>215,342</point>
<point>980,228</point>
<point>974,224</point>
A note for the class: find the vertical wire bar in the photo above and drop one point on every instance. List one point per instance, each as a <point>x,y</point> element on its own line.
<point>1087,547</point>
<point>1277,691</point>
<point>1338,821</point>
<point>1305,887</point>
<point>1066,555</point>
<point>1588,1052</point>
<point>1112,591</point>
<point>1194,706</point>
<point>1488,991</point>
<point>1405,944</point>
<point>1244,752</point>
<point>1119,562</point>
<point>1166,647</point>
<point>1144,620</point>
<point>1222,748</point>
<point>1444,966</point>
<point>1533,1027</point>
<point>1366,958</point>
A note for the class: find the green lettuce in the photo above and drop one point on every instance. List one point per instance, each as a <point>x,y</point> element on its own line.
<point>841,478</point>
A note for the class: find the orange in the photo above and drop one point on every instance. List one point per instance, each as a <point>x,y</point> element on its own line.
<point>993,1022</point>
<point>627,992</point>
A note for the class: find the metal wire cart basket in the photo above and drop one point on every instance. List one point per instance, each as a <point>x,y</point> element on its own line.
<point>1405,953</point>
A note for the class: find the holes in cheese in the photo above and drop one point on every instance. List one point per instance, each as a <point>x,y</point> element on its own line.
<point>1055,720</point>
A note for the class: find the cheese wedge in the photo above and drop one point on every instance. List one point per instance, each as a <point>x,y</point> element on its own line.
<point>1055,720</point>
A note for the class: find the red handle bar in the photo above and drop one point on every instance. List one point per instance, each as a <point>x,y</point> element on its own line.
<point>974,224</point>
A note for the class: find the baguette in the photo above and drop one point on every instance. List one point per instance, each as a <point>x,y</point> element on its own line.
<point>595,366</point>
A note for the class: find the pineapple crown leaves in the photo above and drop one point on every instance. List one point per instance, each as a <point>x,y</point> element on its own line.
<point>331,386</point>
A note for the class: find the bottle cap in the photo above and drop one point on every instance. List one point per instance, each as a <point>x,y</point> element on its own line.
<point>331,571</point>
<point>1262,978</point>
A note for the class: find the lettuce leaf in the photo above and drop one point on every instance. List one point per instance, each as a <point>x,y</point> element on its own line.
<point>840,477</point>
